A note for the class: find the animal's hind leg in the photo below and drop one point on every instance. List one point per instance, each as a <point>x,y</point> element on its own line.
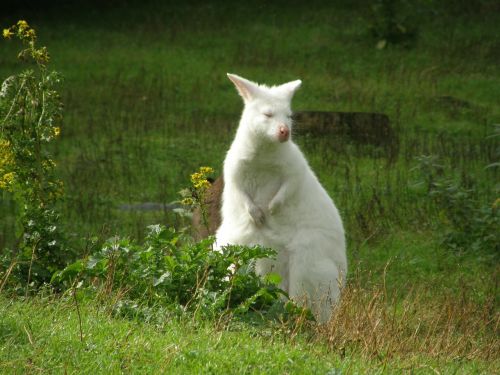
<point>314,283</point>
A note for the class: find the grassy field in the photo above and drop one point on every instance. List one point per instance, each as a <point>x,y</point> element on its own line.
<point>46,335</point>
<point>147,102</point>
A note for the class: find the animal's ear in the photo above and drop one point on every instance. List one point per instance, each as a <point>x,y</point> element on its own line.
<point>247,89</point>
<point>289,88</point>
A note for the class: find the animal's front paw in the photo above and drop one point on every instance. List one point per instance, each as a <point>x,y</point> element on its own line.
<point>257,215</point>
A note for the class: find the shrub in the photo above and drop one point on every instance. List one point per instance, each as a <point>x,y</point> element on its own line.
<point>168,270</point>
<point>469,224</point>
<point>30,115</point>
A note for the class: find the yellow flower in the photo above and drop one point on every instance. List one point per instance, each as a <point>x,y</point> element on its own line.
<point>48,163</point>
<point>206,170</point>
<point>57,130</point>
<point>201,184</point>
<point>40,55</point>
<point>199,179</point>
<point>195,177</point>
<point>7,33</point>
<point>6,180</point>
<point>6,157</point>
<point>22,25</point>
<point>6,164</point>
<point>30,33</point>
<point>187,201</point>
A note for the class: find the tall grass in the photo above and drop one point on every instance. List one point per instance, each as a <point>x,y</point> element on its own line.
<point>426,332</point>
<point>144,93</point>
<point>444,327</point>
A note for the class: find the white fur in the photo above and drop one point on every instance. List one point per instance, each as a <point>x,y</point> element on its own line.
<point>272,198</point>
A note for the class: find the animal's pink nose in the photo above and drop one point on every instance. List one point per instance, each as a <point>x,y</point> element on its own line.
<point>283,133</point>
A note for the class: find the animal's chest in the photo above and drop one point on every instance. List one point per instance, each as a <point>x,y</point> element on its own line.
<point>261,182</point>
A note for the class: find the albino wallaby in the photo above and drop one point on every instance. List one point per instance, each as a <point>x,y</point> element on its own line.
<point>272,198</point>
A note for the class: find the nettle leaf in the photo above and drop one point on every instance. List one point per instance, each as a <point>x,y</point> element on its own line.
<point>273,278</point>
<point>182,276</point>
<point>92,262</point>
<point>185,257</point>
<point>68,273</point>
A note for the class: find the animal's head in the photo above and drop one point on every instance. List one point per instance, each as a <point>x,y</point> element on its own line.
<point>267,113</point>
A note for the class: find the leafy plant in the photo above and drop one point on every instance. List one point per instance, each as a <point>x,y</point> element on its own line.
<point>468,223</point>
<point>168,270</point>
<point>30,118</point>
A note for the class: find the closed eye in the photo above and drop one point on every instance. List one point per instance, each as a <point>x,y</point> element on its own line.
<point>268,114</point>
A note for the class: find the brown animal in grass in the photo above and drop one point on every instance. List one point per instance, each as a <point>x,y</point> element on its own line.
<point>213,204</point>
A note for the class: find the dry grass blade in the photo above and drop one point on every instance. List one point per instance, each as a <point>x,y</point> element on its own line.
<point>7,274</point>
<point>369,323</point>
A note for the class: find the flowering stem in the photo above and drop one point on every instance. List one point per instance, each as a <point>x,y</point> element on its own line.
<point>14,101</point>
<point>204,215</point>
<point>42,115</point>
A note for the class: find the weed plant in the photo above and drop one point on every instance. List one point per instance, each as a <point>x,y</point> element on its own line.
<point>30,115</point>
<point>468,223</point>
<point>168,271</point>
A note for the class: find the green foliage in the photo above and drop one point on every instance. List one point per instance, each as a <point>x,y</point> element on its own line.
<point>176,346</point>
<point>169,271</point>
<point>30,115</point>
<point>388,27</point>
<point>469,224</point>
<point>495,135</point>
<point>466,223</point>
<point>147,107</point>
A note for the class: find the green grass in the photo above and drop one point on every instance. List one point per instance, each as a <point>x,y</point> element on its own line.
<point>147,102</point>
<point>42,334</point>
<point>407,260</point>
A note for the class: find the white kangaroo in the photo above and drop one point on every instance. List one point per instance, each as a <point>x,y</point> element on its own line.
<point>272,198</point>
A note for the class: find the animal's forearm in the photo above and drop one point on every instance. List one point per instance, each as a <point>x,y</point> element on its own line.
<point>248,201</point>
<point>279,198</point>
<point>255,212</point>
